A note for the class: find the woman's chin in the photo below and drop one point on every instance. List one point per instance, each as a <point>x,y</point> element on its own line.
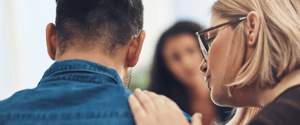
<point>219,99</point>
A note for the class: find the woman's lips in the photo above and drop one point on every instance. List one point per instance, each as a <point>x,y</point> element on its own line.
<point>206,78</point>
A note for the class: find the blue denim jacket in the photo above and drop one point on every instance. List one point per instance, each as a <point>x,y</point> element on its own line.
<point>71,92</point>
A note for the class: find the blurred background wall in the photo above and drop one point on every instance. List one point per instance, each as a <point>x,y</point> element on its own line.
<point>23,52</point>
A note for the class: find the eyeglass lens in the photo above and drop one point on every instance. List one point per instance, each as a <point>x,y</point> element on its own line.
<point>203,39</point>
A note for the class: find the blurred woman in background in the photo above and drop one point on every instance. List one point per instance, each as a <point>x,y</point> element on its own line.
<point>175,72</point>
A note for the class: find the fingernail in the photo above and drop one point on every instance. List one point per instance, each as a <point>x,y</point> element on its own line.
<point>138,89</point>
<point>200,116</point>
<point>130,96</point>
<point>145,90</point>
<point>162,100</point>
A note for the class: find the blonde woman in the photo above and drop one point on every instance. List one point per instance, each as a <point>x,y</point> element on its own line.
<point>251,62</point>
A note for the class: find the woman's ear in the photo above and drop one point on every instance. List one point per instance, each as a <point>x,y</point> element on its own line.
<point>253,28</point>
<point>134,50</point>
<point>51,40</point>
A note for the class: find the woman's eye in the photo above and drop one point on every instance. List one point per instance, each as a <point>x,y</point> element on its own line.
<point>175,57</point>
<point>191,50</point>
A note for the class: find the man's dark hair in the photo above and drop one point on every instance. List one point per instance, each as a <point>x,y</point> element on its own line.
<point>103,23</point>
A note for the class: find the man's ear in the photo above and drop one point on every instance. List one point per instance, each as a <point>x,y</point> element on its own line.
<point>51,40</point>
<point>134,50</point>
<point>253,27</point>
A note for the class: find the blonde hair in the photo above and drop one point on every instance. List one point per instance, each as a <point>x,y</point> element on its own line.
<point>277,48</point>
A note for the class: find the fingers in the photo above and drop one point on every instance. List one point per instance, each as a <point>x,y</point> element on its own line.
<point>148,108</point>
<point>170,102</point>
<point>145,100</point>
<point>157,99</point>
<point>136,107</point>
<point>197,119</point>
<point>161,101</point>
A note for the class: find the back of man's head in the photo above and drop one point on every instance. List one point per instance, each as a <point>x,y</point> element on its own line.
<point>108,24</point>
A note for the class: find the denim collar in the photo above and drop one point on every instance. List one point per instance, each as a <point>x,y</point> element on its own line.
<point>81,66</point>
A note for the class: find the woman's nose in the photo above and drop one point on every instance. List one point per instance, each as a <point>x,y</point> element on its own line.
<point>203,66</point>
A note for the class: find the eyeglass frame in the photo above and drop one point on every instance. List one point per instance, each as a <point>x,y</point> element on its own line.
<point>204,52</point>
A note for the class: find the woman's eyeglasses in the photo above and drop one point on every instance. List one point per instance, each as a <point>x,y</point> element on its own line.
<point>205,41</point>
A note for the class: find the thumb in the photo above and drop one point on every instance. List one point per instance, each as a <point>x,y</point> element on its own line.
<point>197,119</point>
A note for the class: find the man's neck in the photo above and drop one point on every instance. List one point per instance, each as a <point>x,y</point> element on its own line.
<point>269,95</point>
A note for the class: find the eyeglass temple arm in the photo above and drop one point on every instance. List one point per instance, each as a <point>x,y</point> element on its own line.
<point>232,21</point>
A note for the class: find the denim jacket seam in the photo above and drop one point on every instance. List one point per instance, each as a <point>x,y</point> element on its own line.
<point>68,78</point>
<point>45,79</point>
<point>68,67</point>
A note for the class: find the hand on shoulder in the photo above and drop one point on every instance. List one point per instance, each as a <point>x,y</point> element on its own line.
<point>148,108</point>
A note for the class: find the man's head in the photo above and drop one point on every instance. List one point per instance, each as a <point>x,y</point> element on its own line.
<point>111,28</point>
<point>104,23</point>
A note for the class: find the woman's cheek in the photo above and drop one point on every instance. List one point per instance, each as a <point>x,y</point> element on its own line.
<point>217,63</point>
<point>217,59</point>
